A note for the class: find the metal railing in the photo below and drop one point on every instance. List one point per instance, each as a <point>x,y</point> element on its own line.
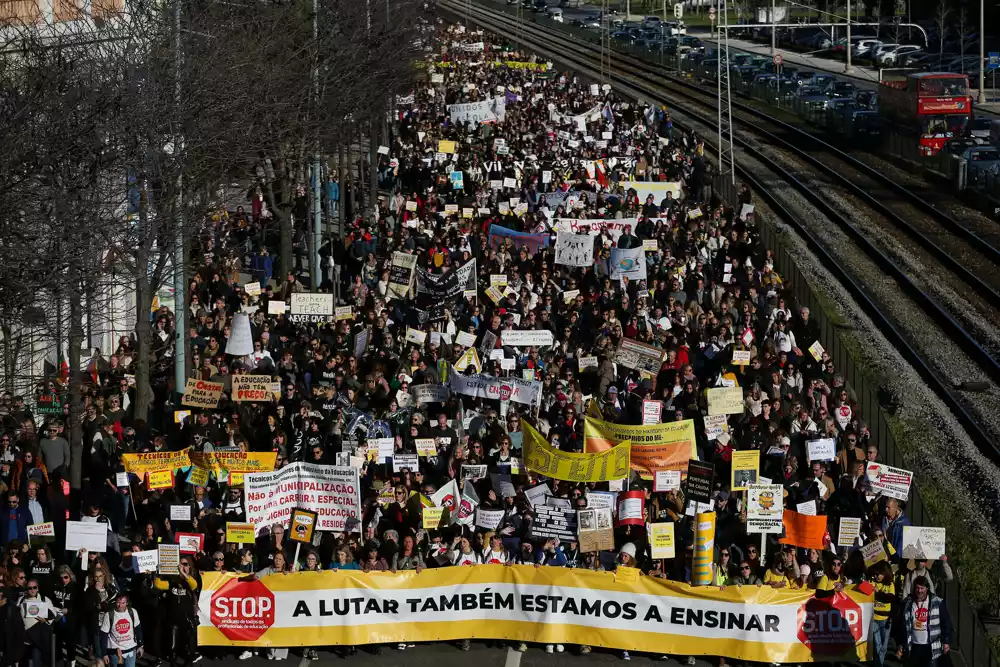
<point>970,636</point>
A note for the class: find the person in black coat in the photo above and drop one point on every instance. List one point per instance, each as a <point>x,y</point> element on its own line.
<point>13,636</point>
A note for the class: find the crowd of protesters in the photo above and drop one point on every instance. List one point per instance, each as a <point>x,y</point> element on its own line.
<point>708,282</point>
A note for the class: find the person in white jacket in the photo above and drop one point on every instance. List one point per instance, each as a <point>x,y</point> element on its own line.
<point>121,635</point>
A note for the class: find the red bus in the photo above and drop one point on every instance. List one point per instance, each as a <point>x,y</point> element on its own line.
<point>934,105</point>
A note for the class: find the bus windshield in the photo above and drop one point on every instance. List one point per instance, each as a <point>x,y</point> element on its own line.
<point>945,87</point>
<point>950,124</point>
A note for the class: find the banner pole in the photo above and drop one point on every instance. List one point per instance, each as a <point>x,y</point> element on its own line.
<point>763,549</point>
<point>295,566</point>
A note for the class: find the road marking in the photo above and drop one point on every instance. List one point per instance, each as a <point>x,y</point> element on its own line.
<point>513,658</point>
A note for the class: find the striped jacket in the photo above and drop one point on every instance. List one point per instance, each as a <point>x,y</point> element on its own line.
<point>938,624</point>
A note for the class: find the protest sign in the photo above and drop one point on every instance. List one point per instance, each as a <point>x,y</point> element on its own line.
<point>254,388</point>
<point>415,336</point>
<point>654,446</point>
<point>759,624</point>
<point>488,519</point>
<point>202,394</point>
<point>140,464</point>
<point>89,535</point>
<point>330,491</point>
<point>160,479</point>
<point>583,363</point>
<point>744,470</point>
<point>873,552</point>
<point>311,307</point>
<point>544,459</point>
<point>661,540</point>
<point>553,522</point>
<point>168,559</point>
<point>276,307</point>
<point>220,462</point>
<point>889,481</point>
<point>426,447</point>
<point>465,339</point>
<point>401,273</point>
<point>180,512</point>
<point>666,480</point>
<point>190,543</point>
<point>146,562</point>
<point>430,393</point>
<point>808,508</point>
<point>574,249</point>
<point>473,472</point>
<point>596,530</point>
<point>652,412</point>
<point>849,531</point>
<point>716,425</point>
<point>469,358</point>
<point>824,449</point>
<point>628,263</point>
<point>41,532</point>
<point>923,542</point>
<point>700,481</point>
<point>302,524</point>
<point>741,357</point>
<point>240,533</point>
<point>409,462</point>
<point>764,508</point>
<point>639,356</point>
<point>725,401</point>
<point>527,337</point>
<point>480,385</point>
<point>630,508</point>
<point>803,531</point>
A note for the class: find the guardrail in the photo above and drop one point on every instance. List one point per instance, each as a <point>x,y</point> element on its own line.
<point>971,637</point>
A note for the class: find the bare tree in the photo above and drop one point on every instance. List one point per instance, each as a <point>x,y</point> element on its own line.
<point>941,15</point>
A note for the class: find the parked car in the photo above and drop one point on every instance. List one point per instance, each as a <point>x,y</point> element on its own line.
<point>889,57</point>
<point>979,127</point>
<point>842,89</point>
<point>811,97</point>
<point>652,22</point>
<point>555,14</point>
<point>958,145</point>
<point>864,47</point>
<point>981,160</point>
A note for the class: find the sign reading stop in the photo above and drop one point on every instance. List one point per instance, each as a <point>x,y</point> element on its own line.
<point>831,626</point>
<point>711,13</point>
<point>777,59</point>
<point>243,610</point>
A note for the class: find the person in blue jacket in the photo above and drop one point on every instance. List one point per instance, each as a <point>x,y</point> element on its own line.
<point>893,521</point>
<point>14,522</point>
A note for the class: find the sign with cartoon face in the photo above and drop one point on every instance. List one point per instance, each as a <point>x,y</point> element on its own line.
<point>303,523</point>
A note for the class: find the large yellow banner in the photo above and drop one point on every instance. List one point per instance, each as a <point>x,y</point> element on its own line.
<point>654,446</point>
<point>219,462</point>
<point>543,458</point>
<point>545,605</point>
<point>140,464</point>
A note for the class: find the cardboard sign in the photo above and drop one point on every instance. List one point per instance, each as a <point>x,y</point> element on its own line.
<point>276,307</point>
<point>408,461</point>
<point>415,336</point>
<point>803,531</point>
<point>666,480</point>
<point>808,508</point>
<point>725,401</point>
<point>816,350</point>
<point>661,540</point>
<point>848,532</point>
<point>889,481</point>
<point>303,523</point>
<point>198,476</point>
<point>488,519</point>
<point>240,533</point>
<point>190,543</point>
<point>38,531</point>
<point>923,542</point>
<point>465,339</point>
<point>168,559</point>
<point>741,357</point>
<point>426,447</point>
<point>873,552</point>
<point>254,388</point>
<point>744,471</point>
<point>583,363</point>
<point>202,394</point>
<point>121,480</point>
<point>765,508</point>
<point>146,561</point>
<point>596,531</point>
<point>652,412</point>
<point>824,449</point>
<point>180,512</point>
<point>161,479</point>
<point>553,522</point>
<point>432,517</point>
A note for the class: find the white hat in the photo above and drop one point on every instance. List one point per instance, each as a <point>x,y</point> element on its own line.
<point>804,570</point>
<point>628,548</point>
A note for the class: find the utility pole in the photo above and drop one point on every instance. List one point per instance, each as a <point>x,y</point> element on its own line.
<point>847,47</point>
<point>981,99</point>
<point>727,158</point>
<point>317,176</point>
<point>774,30</point>
<point>180,284</point>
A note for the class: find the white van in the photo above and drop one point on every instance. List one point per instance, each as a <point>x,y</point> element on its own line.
<point>555,14</point>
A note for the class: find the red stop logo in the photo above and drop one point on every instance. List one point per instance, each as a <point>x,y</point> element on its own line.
<point>505,392</point>
<point>243,610</point>
<point>830,626</point>
<point>122,626</point>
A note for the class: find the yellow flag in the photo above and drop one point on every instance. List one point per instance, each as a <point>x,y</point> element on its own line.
<point>544,459</point>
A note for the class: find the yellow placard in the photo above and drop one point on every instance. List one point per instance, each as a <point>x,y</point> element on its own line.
<point>626,575</point>
<point>543,458</point>
<point>445,146</point>
<point>745,466</point>
<point>240,533</point>
<point>666,446</point>
<point>725,401</point>
<point>426,447</point>
<point>160,479</point>
<point>432,517</point>
<point>469,358</point>
<point>219,462</point>
<point>140,464</point>
<point>236,479</point>
<point>517,64</point>
<point>661,540</point>
<point>198,476</point>
<point>652,615</point>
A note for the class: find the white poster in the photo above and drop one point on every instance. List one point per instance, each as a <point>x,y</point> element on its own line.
<point>146,561</point>
<point>486,111</point>
<point>574,249</point>
<point>527,337</point>
<point>922,542</point>
<point>525,392</point>
<point>488,519</point>
<point>889,481</point>
<point>430,393</point>
<point>765,508</point>
<point>92,536</point>
<point>629,264</point>
<point>333,492</point>
<point>824,449</point>
<point>309,307</point>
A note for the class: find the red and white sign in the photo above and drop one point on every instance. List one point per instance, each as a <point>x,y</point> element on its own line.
<point>652,412</point>
<point>831,626</point>
<point>889,481</point>
<point>191,543</point>
<point>777,59</point>
<point>630,508</point>
<point>242,610</point>
<point>333,492</point>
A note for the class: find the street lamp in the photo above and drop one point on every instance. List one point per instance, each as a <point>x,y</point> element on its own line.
<point>982,52</point>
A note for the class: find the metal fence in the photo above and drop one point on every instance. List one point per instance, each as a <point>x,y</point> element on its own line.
<point>971,639</point>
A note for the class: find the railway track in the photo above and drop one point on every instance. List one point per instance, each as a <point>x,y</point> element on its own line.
<point>868,231</point>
